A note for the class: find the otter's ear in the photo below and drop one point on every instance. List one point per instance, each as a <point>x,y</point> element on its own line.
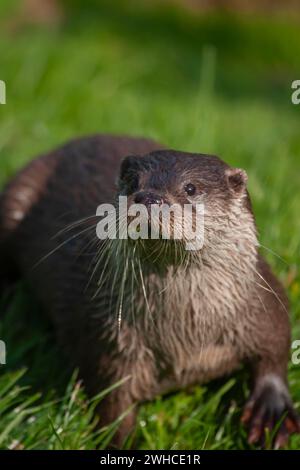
<point>128,164</point>
<point>236,180</point>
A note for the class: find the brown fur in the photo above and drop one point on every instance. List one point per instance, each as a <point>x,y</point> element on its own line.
<point>180,323</point>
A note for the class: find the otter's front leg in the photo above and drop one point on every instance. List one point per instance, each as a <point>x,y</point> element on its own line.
<point>131,374</point>
<point>270,405</point>
<point>120,410</point>
<point>270,408</point>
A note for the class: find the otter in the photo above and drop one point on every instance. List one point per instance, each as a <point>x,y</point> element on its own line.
<point>148,315</point>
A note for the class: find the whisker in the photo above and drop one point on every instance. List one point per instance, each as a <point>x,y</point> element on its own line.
<point>59,246</point>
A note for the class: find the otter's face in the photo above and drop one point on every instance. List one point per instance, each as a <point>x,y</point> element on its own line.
<point>171,177</point>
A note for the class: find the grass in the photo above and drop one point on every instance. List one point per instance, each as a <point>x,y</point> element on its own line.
<point>215,83</point>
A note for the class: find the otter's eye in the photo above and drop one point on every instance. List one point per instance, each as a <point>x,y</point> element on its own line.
<point>190,189</point>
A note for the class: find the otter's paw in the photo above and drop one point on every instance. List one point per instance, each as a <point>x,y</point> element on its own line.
<point>270,409</point>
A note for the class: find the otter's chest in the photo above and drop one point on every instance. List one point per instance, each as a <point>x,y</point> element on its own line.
<point>194,336</point>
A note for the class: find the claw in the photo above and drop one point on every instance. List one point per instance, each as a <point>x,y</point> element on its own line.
<point>282,438</point>
<point>247,413</point>
<point>268,406</point>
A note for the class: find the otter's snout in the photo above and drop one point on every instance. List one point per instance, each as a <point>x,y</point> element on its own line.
<point>147,199</point>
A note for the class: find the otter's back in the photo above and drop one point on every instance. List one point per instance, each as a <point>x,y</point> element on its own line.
<point>47,212</point>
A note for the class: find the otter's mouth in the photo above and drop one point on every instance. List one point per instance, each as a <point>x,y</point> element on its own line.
<point>165,222</point>
<point>151,222</point>
<point>156,222</point>
<point>160,254</point>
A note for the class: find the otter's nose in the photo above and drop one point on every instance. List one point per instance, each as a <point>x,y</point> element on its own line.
<point>147,198</point>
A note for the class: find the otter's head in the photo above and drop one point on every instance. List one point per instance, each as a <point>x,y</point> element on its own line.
<point>183,179</point>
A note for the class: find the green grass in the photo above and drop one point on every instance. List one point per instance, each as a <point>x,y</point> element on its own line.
<point>214,83</point>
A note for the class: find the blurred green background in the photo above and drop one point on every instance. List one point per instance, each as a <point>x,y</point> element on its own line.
<point>195,77</point>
